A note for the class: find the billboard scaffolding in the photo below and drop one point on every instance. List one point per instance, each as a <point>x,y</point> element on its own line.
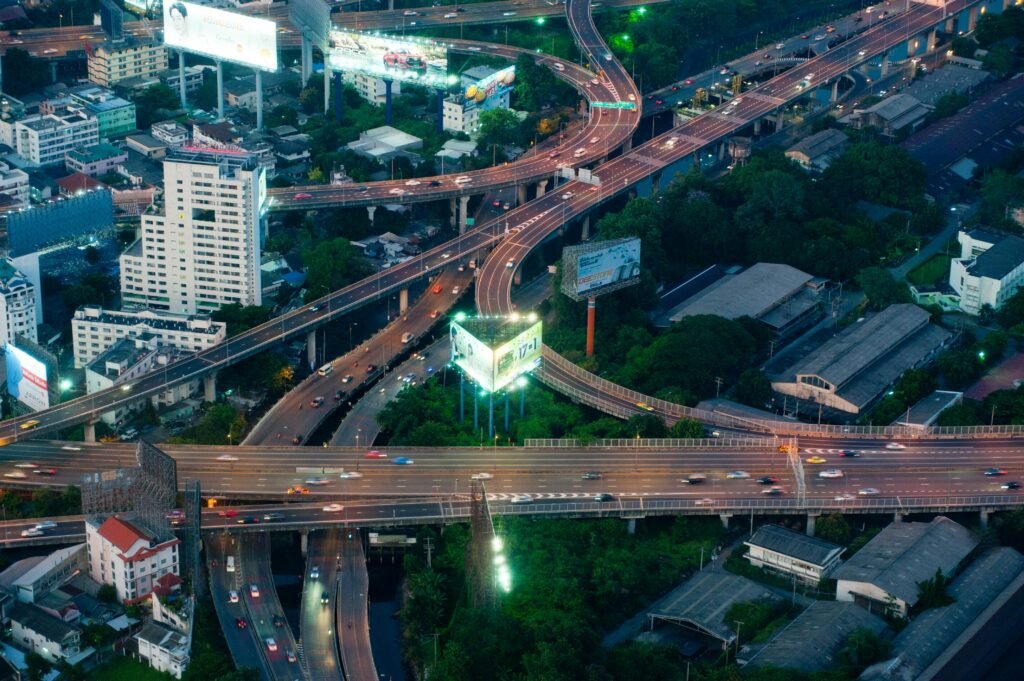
<point>594,269</point>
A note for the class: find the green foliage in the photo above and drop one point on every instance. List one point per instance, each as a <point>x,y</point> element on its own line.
<point>912,386</point>
<point>999,190</point>
<point>241,318</point>
<point>36,666</point>
<point>862,649</point>
<point>331,265</point>
<point>992,28</point>
<point>931,593</point>
<point>32,74</point>
<point>948,104</point>
<point>222,424</point>
<point>1011,313</point>
<point>959,367</point>
<point>884,174</point>
<point>154,104</point>
<point>644,661</point>
<point>881,289</point>
<point>934,270</point>
<point>498,126</point>
<point>536,86</point>
<point>107,593</point>
<point>756,616</point>
<point>965,414</point>
<point>687,428</point>
<point>267,372</point>
<point>754,388</point>
<point>211,660</point>
<point>1009,527</point>
<point>47,502</point>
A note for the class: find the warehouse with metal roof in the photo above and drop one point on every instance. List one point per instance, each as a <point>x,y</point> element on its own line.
<point>809,559</point>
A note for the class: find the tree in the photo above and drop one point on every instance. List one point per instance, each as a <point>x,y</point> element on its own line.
<point>931,593</point>
<point>315,176</point>
<point>92,256</point>
<point>687,429</point>
<point>240,317</point>
<point>32,74</point>
<point>330,265</point>
<point>107,593</point>
<point>36,666</point>
<point>833,528</point>
<point>754,388</point>
<point>498,126</point>
<point>959,368</point>
<point>999,190</point>
<point>884,174</point>
<point>862,649</point>
<point>881,289</point>
<point>154,104</point>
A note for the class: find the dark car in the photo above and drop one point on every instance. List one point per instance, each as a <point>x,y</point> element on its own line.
<point>241,623</point>
<point>278,621</point>
<point>297,440</point>
<point>767,480</point>
<point>338,395</point>
<point>370,368</point>
<point>1010,485</point>
<point>995,471</point>
<point>324,598</point>
<point>591,475</point>
<point>849,453</point>
<point>696,478</point>
<point>604,496</point>
<point>434,183</point>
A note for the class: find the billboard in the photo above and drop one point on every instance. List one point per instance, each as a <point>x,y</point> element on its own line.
<point>418,61</point>
<point>486,93</point>
<point>601,267</point>
<point>493,366</point>
<point>219,34</point>
<point>26,379</point>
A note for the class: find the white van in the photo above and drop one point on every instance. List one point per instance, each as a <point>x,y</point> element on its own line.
<point>231,564</point>
<point>325,369</point>
<point>406,337</point>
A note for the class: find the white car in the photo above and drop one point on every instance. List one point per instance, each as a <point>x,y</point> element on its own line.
<point>254,591</point>
<point>333,508</point>
<point>522,499</point>
<point>579,152</point>
<point>318,480</point>
<point>632,97</point>
<point>271,645</point>
<point>455,290</point>
<point>566,196</point>
<point>780,46</point>
<point>511,263</point>
<point>830,473</point>
<point>868,492</point>
<point>482,476</point>
<point>314,573</point>
<point>894,445</point>
<point>595,139</point>
<point>71,448</point>
<point>412,183</point>
<point>350,475</point>
<point>844,497</point>
<point>227,457</point>
<point>737,475</point>
<point>46,525</point>
<point>232,597</point>
<point>462,179</point>
<point>32,532</point>
<point>17,475</point>
<point>397,191</point>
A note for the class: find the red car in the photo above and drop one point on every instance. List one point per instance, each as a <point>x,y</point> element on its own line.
<point>45,471</point>
<point>241,623</point>
<point>375,455</point>
<point>437,288</point>
<point>228,513</point>
<point>658,102</point>
<point>404,59</point>
<point>303,195</point>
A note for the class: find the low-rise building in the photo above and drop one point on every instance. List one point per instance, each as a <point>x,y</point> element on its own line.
<point>14,184</point>
<point>193,79</point>
<point>216,136</point>
<point>808,559</point>
<point>110,63</point>
<point>883,576</point>
<point>38,631</point>
<point>163,648</point>
<point>94,330</point>
<point>385,143</point>
<point>96,160</point>
<point>894,116</point>
<point>989,270</point>
<point>927,411</point>
<point>46,139</point>
<point>240,93</point>
<point>129,557</point>
<point>371,88</point>
<point>17,304</point>
<point>817,152</point>
<point>116,116</point>
<point>45,575</point>
<point>852,369</point>
<point>171,133</point>
<point>147,145</point>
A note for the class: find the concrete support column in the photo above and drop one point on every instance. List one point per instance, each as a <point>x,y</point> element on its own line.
<point>972,19</point>
<point>306,53</point>
<point>220,91</point>
<point>631,526</point>
<point>885,64</point>
<point>387,101</point>
<point>931,39</point>
<point>259,99</point>
<point>585,229</point>
<point>779,119</point>
<point>210,387</point>
<point>724,517</point>
<point>542,187</point>
<point>452,211</point>
<point>391,5</point>
<point>311,348</point>
<point>441,94</point>
<point>90,430</point>
<point>53,72</point>
<point>517,276</point>
<point>721,150</point>
<point>327,86</point>
<point>371,210</point>
<point>757,128</point>
<point>983,518</point>
<point>337,97</point>
<point>403,300</point>
<point>304,542</point>
<point>463,213</point>
<point>812,520</point>
<point>897,517</point>
<point>181,79</point>
<point>835,91</point>
<point>627,145</point>
<point>521,194</point>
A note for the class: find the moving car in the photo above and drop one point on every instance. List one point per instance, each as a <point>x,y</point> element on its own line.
<point>297,440</point>
<point>254,591</point>
<point>314,572</point>
<point>333,508</point>
<point>815,459</point>
<point>831,473</point>
<point>227,457</point>
<point>271,645</point>
<point>595,139</point>
<point>32,532</point>
<point>291,656</point>
<point>462,179</point>
<point>45,471</point>
<point>774,491</point>
<point>349,475</point>
<point>339,395</point>
<point>1010,485</point>
<point>374,454</point>
<point>849,453</point>
<point>318,480</point>
<point>695,478</point>
<point>324,598</point>
<point>767,480</point>
<point>591,475</point>
<point>868,492</point>
<point>995,471</point>
<point>346,378</point>
<point>579,152</point>
<point>278,621</point>
<point>403,461</point>
<point>435,314</point>
<point>522,499</point>
<point>241,623</point>
<point>271,517</point>
<point>481,476</point>
<point>298,489</point>
<point>17,475</point>
<point>455,290</point>
<point>644,406</point>
<point>894,445</point>
<point>48,525</point>
<point>843,497</point>
<point>71,448</point>
<point>316,401</point>
<point>737,475</point>
<point>437,288</point>
<point>510,264</point>
<point>604,496</point>
<point>303,195</point>
<point>232,596</point>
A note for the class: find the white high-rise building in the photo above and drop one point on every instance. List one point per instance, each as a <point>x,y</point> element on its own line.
<point>17,305</point>
<point>203,250</point>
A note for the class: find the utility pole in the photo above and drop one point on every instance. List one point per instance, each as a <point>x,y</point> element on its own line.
<point>739,624</point>
<point>430,550</point>
<point>718,386</point>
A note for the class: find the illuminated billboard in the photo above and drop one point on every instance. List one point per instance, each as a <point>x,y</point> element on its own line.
<point>596,268</point>
<point>487,93</point>
<point>145,7</point>
<point>418,61</point>
<point>219,34</point>
<point>495,351</point>
<point>26,379</point>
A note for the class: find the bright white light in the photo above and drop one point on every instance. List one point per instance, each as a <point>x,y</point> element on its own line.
<point>497,544</point>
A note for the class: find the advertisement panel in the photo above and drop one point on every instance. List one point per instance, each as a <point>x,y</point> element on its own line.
<point>486,94</point>
<point>406,60</point>
<point>606,264</point>
<point>220,34</point>
<point>26,379</point>
<point>472,356</point>
<point>518,356</point>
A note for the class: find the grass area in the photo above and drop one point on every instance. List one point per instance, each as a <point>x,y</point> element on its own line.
<point>127,669</point>
<point>935,268</point>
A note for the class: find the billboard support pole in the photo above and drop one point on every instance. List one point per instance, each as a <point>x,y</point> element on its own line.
<point>506,411</point>
<point>307,57</point>
<point>327,86</point>
<point>591,323</point>
<point>522,402</point>
<point>220,90</point>
<point>181,78</point>
<point>462,397</point>
<point>440,111</point>
<point>476,409</point>
<point>337,97</point>
<point>387,101</point>
<point>490,417</point>
<point>259,99</point>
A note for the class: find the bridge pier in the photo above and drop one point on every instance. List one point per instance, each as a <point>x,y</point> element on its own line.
<point>210,387</point>
<point>220,90</point>
<point>90,430</point>
<point>370,210</point>
<point>812,520</point>
<point>897,517</point>
<point>721,150</point>
<point>585,231</point>
<point>983,515</point>
<point>972,19</point>
<point>931,39</point>
<point>757,128</point>
<point>631,526</point>
<point>403,300</point>
<point>327,86</point>
<point>452,210</point>
<point>517,276</point>
<point>724,517</point>
<point>521,194</point>
<point>307,59</point>
<point>542,187</point>
<point>463,213</point>
<point>627,146</point>
<point>181,79</point>
<point>779,119</point>
<point>835,91</point>
<point>311,348</point>
<point>885,64</point>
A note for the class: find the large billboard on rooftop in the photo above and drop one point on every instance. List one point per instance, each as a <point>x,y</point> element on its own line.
<point>417,61</point>
<point>220,34</point>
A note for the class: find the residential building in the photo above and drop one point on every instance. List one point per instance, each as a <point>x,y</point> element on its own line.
<point>163,648</point>
<point>989,270</point>
<point>46,139</point>
<point>193,79</point>
<point>385,143</point>
<point>40,632</point>
<point>894,116</point>
<point>203,250</point>
<point>96,160</point>
<point>94,330</point>
<point>48,573</point>
<point>129,557</point>
<point>883,576</point>
<point>240,93</point>
<point>116,116</point>
<point>806,558</point>
<point>15,185</point>
<point>817,152</point>
<point>371,88</point>
<point>783,298</point>
<point>77,184</point>
<point>216,135</point>
<point>110,63</point>
<point>462,113</point>
<point>449,158</point>
<point>147,145</point>
<point>171,133</point>
<point>17,304</point>
<point>852,369</point>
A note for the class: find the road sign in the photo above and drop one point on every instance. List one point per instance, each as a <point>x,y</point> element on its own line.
<point>614,105</point>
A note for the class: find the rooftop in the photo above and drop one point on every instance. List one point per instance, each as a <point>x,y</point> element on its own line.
<point>41,622</point>
<point>751,293</point>
<point>119,357</point>
<point>794,544</point>
<point>903,554</point>
<point>810,642</point>
<point>704,599</point>
<point>153,319</point>
<point>999,260</point>
<point>48,563</point>
<point>820,144</point>
<point>121,533</point>
<point>950,78</point>
<point>222,132</point>
<point>78,182</point>
<point>929,407</point>
<point>97,152</point>
<point>899,110</point>
<point>164,636</point>
<point>495,331</point>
